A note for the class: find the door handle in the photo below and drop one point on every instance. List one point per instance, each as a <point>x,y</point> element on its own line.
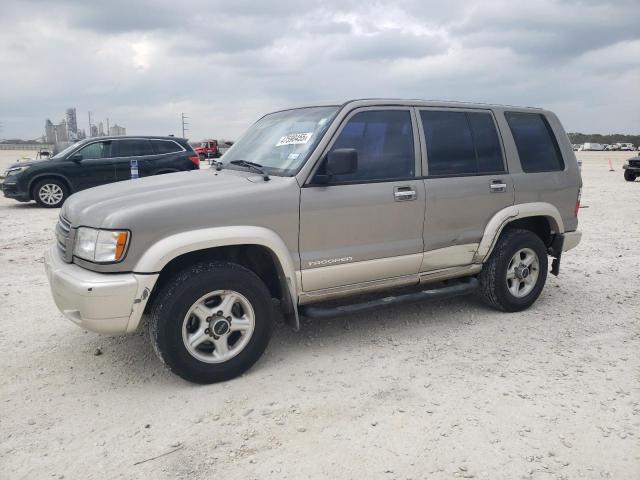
<point>497,186</point>
<point>405,193</point>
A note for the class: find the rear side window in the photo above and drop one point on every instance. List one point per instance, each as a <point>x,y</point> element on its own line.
<point>165,146</point>
<point>487,143</point>
<point>134,148</point>
<point>537,146</point>
<point>384,141</point>
<point>461,143</point>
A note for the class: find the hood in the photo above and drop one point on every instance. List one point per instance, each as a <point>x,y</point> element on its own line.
<point>126,204</point>
<point>155,208</point>
<point>26,163</point>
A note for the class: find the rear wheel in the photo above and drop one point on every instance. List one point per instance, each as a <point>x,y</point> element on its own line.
<point>514,275</point>
<point>50,193</point>
<point>211,322</point>
<point>629,176</point>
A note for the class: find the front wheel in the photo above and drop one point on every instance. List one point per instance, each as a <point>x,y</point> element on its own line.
<point>515,274</point>
<point>211,322</point>
<point>50,193</point>
<point>629,176</point>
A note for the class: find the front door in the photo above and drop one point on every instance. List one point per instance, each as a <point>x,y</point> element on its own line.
<point>466,183</point>
<point>91,166</point>
<point>366,226</point>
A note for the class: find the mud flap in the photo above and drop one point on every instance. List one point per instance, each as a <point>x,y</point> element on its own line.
<point>555,250</point>
<point>555,266</point>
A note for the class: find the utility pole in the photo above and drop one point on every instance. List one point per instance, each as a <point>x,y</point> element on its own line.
<point>1,130</point>
<point>89,124</point>
<point>184,125</point>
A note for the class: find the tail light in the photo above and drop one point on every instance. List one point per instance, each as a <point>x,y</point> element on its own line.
<point>578,201</point>
<point>196,160</point>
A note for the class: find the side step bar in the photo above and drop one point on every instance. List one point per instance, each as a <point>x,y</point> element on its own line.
<point>463,287</point>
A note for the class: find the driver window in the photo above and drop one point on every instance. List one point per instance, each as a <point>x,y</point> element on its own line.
<point>96,150</point>
<point>384,142</point>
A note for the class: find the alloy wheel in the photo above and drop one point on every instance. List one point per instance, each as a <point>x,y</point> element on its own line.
<point>218,326</point>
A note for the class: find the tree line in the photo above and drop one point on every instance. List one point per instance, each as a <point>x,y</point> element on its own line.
<point>578,138</point>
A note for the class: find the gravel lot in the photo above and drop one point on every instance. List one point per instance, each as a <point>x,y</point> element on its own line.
<point>439,390</point>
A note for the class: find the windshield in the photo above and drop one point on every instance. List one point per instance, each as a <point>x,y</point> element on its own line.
<point>281,141</point>
<point>64,152</point>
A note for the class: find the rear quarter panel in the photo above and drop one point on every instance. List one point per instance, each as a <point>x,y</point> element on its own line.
<point>559,188</point>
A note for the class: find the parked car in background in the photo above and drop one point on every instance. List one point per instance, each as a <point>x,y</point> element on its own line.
<point>93,162</point>
<point>575,146</point>
<point>598,147</point>
<point>320,205</point>
<point>224,146</point>
<point>632,169</point>
<point>208,149</point>
<point>626,147</point>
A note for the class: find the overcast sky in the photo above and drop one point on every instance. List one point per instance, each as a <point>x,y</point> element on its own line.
<point>142,63</point>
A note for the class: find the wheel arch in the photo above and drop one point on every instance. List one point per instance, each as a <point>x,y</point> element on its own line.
<point>257,248</point>
<point>542,218</point>
<point>43,176</point>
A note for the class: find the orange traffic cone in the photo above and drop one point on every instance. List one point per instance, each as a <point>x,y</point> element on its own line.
<point>611,166</point>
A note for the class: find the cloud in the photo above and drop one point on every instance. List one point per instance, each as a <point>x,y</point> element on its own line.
<point>226,63</point>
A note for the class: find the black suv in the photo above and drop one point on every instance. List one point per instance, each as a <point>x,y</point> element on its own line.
<point>632,169</point>
<point>94,162</point>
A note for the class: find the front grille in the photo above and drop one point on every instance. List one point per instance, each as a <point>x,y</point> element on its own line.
<point>63,229</point>
<point>634,163</point>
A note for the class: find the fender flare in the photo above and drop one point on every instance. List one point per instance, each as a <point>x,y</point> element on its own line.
<point>158,255</point>
<point>58,176</point>
<point>497,223</point>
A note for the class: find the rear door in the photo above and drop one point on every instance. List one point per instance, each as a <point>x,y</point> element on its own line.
<point>92,165</point>
<point>366,226</point>
<point>169,157</point>
<point>466,182</point>
<point>133,149</point>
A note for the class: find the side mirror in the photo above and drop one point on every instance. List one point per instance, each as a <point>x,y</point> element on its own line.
<point>75,158</point>
<point>342,161</point>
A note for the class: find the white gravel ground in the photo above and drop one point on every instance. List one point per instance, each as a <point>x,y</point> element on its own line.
<point>439,390</point>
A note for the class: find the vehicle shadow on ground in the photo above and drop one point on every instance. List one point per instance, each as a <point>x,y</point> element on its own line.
<point>26,206</point>
<point>131,359</point>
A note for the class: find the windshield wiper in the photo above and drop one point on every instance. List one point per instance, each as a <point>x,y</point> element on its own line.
<point>251,165</point>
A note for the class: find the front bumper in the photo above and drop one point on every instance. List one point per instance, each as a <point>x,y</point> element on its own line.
<point>100,302</point>
<point>571,240</point>
<point>11,190</point>
<point>631,168</point>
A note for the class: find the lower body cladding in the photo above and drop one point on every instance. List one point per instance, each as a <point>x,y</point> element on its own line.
<point>103,303</point>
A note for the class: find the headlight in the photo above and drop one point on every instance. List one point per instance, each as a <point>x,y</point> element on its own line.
<point>15,170</point>
<point>101,246</point>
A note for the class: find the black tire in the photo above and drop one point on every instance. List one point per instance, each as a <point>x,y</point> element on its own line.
<point>173,302</point>
<point>493,278</point>
<point>42,193</point>
<point>629,176</point>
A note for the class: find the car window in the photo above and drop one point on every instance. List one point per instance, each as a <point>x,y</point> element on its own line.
<point>165,146</point>
<point>461,143</point>
<point>384,142</point>
<point>449,141</point>
<point>134,148</point>
<point>96,150</point>
<point>537,146</point>
<point>487,142</point>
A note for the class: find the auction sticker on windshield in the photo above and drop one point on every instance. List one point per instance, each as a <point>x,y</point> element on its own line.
<point>294,139</point>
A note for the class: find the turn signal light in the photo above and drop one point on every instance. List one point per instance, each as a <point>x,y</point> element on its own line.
<point>121,245</point>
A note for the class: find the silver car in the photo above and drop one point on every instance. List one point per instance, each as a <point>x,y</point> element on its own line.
<point>400,200</point>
